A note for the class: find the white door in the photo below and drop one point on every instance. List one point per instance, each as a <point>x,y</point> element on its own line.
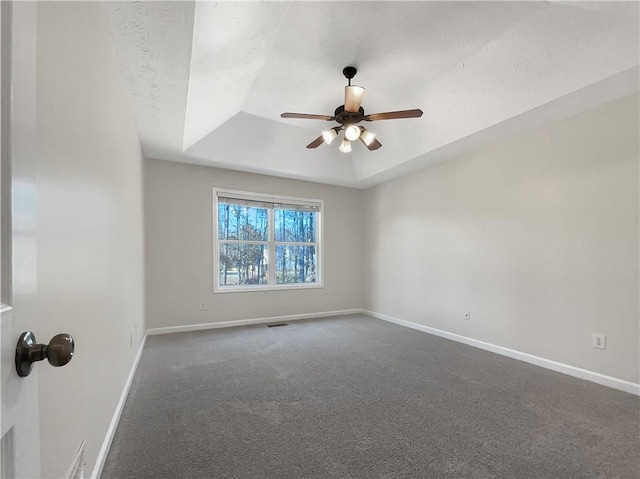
<point>20,439</point>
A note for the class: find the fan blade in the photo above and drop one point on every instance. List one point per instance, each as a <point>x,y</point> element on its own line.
<point>308,116</point>
<point>353,96</point>
<point>316,143</point>
<point>393,115</point>
<point>373,145</point>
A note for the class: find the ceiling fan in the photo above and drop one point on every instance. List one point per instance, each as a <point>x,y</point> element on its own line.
<point>349,115</point>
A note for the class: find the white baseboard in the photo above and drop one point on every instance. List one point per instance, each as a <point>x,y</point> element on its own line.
<point>592,376</point>
<point>247,322</point>
<point>106,444</point>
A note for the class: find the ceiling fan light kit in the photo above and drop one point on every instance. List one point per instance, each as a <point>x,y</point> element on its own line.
<point>349,115</point>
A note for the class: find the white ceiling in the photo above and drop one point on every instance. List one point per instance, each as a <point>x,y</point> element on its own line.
<point>208,80</point>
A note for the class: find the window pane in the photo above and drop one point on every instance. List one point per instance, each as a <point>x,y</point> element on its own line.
<point>295,226</point>
<point>242,222</point>
<point>243,264</point>
<point>296,264</point>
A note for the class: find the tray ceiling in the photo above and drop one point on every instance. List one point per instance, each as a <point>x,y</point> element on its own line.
<point>208,80</point>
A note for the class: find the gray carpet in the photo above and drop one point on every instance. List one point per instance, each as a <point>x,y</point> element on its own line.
<point>355,397</point>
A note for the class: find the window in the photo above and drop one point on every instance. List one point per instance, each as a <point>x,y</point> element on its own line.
<point>266,241</point>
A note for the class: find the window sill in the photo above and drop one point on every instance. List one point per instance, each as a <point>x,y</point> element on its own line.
<point>259,289</point>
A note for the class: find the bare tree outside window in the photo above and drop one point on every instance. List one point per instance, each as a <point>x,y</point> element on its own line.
<point>265,243</point>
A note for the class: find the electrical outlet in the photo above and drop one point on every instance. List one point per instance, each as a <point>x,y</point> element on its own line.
<point>203,305</point>
<point>467,315</point>
<point>599,341</point>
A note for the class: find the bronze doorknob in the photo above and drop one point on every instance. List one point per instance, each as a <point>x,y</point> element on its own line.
<point>58,352</point>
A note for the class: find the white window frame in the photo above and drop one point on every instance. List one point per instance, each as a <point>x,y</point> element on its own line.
<point>274,200</point>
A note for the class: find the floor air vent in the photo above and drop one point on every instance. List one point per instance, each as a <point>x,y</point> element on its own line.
<point>275,325</point>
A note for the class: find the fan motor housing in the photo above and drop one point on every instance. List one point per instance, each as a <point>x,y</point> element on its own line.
<point>344,117</point>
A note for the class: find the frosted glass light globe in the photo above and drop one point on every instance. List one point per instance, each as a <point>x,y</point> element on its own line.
<point>329,135</point>
<point>367,137</point>
<point>345,146</point>
<point>352,133</point>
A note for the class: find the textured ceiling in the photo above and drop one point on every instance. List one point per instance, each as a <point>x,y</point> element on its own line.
<point>208,80</point>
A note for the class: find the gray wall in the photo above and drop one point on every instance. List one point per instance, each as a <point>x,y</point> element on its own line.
<point>537,236</point>
<point>179,247</point>
<point>90,230</point>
